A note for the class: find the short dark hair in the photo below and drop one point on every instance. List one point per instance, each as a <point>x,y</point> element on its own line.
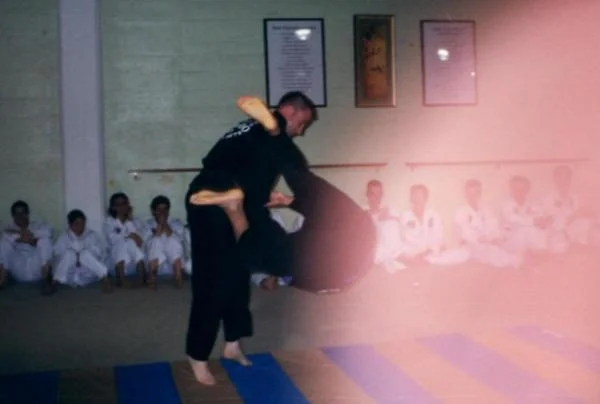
<point>19,205</point>
<point>298,99</point>
<point>75,214</point>
<point>160,200</point>
<point>111,203</point>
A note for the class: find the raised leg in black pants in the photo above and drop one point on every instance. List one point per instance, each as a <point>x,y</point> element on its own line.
<point>220,288</point>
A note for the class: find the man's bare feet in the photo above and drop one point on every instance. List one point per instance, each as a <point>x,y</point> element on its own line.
<point>233,351</point>
<point>257,109</point>
<point>202,373</point>
<point>222,199</point>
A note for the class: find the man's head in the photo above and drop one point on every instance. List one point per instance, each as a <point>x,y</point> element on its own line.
<point>119,206</point>
<point>299,112</point>
<point>20,213</point>
<point>160,207</point>
<point>473,191</point>
<point>77,220</point>
<point>374,194</point>
<point>519,188</point>
<point>562,178</point>
<point>418,196</point>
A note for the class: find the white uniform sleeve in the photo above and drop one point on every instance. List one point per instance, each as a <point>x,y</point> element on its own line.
<point>61,245</point>
<point>42,230</point>
<point>113,233</point>
<point>178,228</point>
<point>147,232</point>
<point>93,243</point>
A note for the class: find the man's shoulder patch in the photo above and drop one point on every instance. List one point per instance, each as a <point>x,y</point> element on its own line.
<point>240,129</point>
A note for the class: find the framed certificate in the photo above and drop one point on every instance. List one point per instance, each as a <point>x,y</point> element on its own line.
<point>448,63</point>
<point>374,61</point>
<point>295,59</point>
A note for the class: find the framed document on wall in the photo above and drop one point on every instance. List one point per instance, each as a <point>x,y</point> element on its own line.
<point>374,61</point>
<point>448,63</point>
<point>295,58</point>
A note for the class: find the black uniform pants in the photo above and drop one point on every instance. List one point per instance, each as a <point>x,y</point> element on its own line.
<point>220,281</point>
<point>335,246</point>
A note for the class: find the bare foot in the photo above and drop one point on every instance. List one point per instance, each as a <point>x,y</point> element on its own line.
<point>257,109</point>
<point>202,373</point>
<point>233,352</point>
<point>222,199</point>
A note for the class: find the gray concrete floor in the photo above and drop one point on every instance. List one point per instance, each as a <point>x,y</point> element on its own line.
<point>79,328</point>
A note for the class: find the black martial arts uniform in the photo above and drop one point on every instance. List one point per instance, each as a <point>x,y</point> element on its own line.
<point>335,247</point>
<point>220,265</point>
<point>336,244</point>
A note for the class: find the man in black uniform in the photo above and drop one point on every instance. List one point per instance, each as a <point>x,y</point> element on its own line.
<point>243,159</point>
<point>336,244</point>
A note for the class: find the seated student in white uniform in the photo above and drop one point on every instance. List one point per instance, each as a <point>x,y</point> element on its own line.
<point>423,234</point>
<point>164,241</point>
<point>387,223</point>
<point>478,229</point>
<point>125,243</point>
<point>571,224</point>
<point>266,281</point>
<point>26,248</point>
<point>525,223</point>
<point>80,255</point>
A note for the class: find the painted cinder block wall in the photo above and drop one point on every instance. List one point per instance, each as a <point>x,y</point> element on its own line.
<point>172,70</point>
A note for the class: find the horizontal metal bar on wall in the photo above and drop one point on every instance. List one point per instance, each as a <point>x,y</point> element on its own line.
<point>417,164</point>
<point>197,169</point>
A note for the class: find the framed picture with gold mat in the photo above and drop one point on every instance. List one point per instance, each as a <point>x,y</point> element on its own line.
<point>374,61</point>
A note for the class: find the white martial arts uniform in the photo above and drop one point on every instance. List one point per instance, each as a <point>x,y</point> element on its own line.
<point>522,235</point>
<point>165,249</point>
<point>24,261</point>
<point>92,258</point>
<point>187,243</point>
<point>389,238</point>
<point>122,248</point>
<point>427,237</point>
<point>479,230</point>
<point>258,277</point>
<point>566,228</point>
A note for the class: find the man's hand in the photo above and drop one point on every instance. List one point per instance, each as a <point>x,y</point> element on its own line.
<point>279,199</point>
<point>136,239</point>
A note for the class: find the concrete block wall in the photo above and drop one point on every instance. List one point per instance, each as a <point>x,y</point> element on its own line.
<point>30,152</point>
<point>173,68</point>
